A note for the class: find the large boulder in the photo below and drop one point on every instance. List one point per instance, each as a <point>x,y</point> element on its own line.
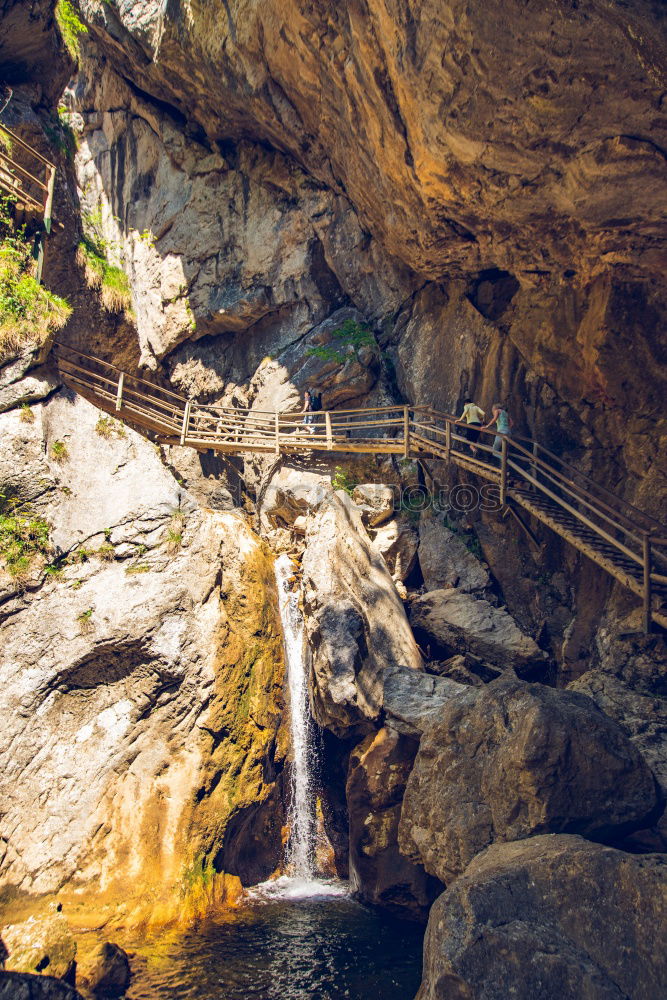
<point>413,699</point>
<point>450,621</point>
<point>445,561</point>
<point>355,620</point>
<point>643,717</point>
<point>511,760</point>
<point>22,986</point>
<point>110,975</point>
<point>42,943</point>
<point>375,501</point>
<point>554,917</point>
<point>397,542</point>
<point>379,874</point>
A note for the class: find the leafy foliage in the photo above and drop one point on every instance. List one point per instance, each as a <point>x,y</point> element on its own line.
<point>353,337</point>
<point>71,27</point>
<point>341,480</point>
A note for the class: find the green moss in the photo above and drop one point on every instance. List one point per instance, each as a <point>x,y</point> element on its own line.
<point>108,278</point>
<point>71,27</point>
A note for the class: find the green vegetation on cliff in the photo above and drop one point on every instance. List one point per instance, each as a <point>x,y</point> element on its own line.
<point>28,311</point>
<point>71,27</point>
<point>111,280</point>
<point>24,538</point>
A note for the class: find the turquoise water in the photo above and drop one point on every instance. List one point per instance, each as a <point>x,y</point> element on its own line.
<point>323,947</point>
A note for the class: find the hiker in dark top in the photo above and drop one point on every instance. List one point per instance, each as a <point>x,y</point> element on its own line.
<point>309,418</point>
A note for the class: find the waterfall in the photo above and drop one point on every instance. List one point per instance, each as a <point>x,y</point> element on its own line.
<point>301,807</point>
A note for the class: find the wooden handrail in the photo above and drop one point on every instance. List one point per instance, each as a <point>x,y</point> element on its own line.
<point>409,431</point>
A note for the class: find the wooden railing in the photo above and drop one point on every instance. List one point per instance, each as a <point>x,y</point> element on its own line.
<point>626,542</point>
<point>32,188</point>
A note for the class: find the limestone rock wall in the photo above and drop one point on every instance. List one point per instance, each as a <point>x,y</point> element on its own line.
<point>142,681</point>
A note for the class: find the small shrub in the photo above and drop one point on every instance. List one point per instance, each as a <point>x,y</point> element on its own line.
<point>24,538</point>
<point>341,480</point>
<point>174,540</point>
<point>76,584</point>
<point>26,416</point>
<point>54,570</point>
<point>108,428</point>
<point>85,620</point>
<point>71,27</point>
<point>78,556</point>
<point>59,451</point>
<point>107,552</point>
<point>138,568</point>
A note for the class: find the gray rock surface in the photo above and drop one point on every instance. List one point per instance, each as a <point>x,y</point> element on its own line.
<point>19,986</point>
<point>413,699</point>
<point>41,943</point>
<point>376,502</point>
<point>550,917</point>
<point>452,621</point>
<point>511,760</point>
<point>355,620</point>
<point>445,561</point>
<point>397,542</point>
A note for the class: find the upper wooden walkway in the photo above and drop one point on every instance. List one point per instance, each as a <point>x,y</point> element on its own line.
<point>625,542</point>
<point>30,187</point>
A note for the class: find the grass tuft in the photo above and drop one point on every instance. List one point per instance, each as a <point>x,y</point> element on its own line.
<point>112,282</point>
<point>59,452</point>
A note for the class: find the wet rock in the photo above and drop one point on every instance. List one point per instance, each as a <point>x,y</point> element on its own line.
<point>397,542</point>
<point>511,760</point>
<point>452,622</point>
<point>42,943</point>
<point>20,986</point>
<point>413,700</point>
<point>375,502</point>
<point>554,917</point>
<point>355,620</point>
<point>110,976</point>
<point>445,561</point>
<point>379,874</point>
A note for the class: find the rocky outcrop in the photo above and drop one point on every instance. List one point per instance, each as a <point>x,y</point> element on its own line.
<point>397,542</point>
<point>42,943</point>
<point>445,561</point>
<point>379,874</point>
<point>413,699</point>
<point>355,620</point>
<point>110,976</point>
<point>552,917</point>
<point>511,760</point>
<point>452,621</point>
<point>141,680</point>
<point>19,986</point>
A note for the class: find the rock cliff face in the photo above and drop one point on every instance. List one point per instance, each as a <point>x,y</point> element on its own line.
<point>478,192</point>
<point>141,680</point>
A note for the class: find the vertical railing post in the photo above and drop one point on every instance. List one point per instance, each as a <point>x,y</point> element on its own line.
<point>119,393</point>
<point>406,432</point>
<point>277,430</point>
<point>48,203</point>
<point>327,419</point>
<point>648,597</point>
<point>503,470</point>
<point>448,439</point>
<point>186,421</point>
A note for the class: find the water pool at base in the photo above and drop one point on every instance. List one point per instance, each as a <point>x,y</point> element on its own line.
<point>286,944</point>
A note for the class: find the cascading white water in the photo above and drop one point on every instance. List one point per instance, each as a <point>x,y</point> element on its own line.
<point>301,809</point>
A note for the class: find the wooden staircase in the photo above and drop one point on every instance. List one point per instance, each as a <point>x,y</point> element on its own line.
<point>622,540</point>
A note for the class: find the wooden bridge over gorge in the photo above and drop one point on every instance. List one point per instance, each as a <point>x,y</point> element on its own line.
<point>625,542</point>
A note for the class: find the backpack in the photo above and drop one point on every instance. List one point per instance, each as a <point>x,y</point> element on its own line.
<point>315,401</point>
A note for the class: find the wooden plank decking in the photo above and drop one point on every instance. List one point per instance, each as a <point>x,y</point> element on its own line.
<point>625,542</point>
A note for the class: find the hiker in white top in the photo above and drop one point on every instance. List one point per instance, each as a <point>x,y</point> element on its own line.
<point>473,416</point>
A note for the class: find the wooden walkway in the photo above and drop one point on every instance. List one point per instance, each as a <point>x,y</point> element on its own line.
<point>625,542</point>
